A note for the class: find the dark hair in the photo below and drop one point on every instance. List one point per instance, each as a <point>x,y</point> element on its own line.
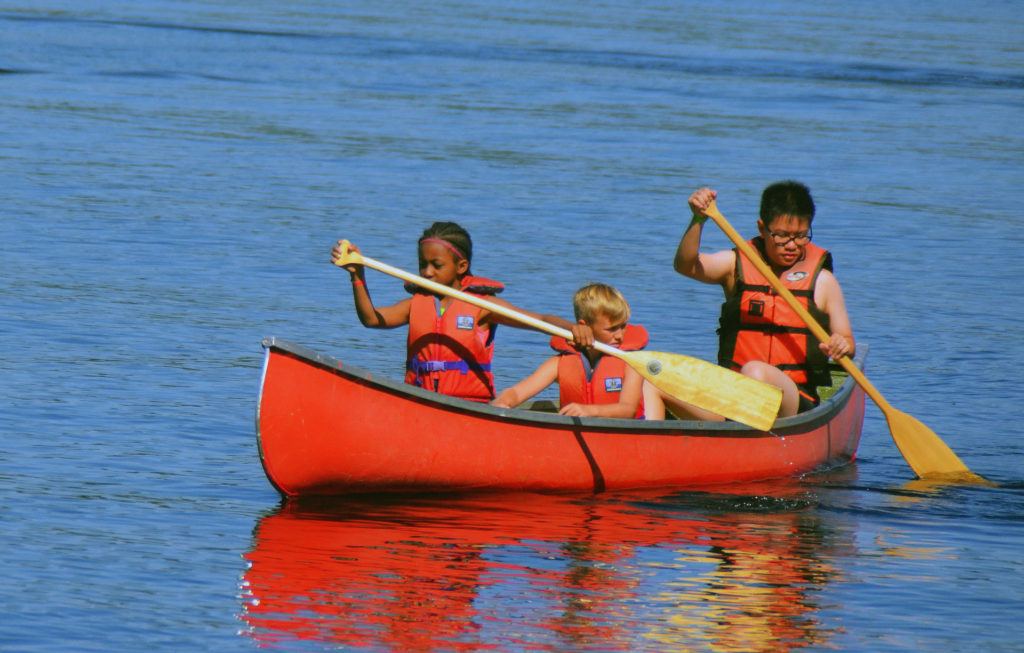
<point>452,234</point>
<point>786,198</point>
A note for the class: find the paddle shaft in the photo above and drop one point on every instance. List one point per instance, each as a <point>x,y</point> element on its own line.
<point>475,300</point>
<point>698,382</point>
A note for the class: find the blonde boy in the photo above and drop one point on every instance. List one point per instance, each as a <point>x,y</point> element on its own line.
<point>590,384</point>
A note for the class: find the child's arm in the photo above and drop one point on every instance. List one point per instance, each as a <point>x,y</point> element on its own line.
<point>369,315</point>
<point>714,268</point>
<point>829,297</point>
<point>629,400</point>
<point>541,378</point>
<point>583,335</point>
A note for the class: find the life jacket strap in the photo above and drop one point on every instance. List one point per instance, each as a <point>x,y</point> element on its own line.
<point>417,366</point>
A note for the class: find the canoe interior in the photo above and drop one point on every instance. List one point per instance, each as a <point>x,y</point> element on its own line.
<point>838,375</point>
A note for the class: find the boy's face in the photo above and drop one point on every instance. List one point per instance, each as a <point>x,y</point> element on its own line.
<point>606,331</point>
<point>785,239</point>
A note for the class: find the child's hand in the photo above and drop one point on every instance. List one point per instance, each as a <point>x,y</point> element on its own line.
<point>578,410</point>
<point>836,347</point>
<point>505,399</point>
<point>701,200</point>
<point>339,251</point>
<point>582,336</point>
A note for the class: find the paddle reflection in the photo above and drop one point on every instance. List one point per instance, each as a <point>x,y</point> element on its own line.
<point>716,571</point>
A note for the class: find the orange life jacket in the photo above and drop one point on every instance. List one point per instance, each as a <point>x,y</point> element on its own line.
<point>449,353</point>
<point>757,324</point>
<point>602,384</point>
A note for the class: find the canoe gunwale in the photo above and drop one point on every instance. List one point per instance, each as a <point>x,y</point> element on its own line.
<point>799,423</point>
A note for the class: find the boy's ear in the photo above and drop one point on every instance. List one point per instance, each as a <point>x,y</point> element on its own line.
<point>581,321</point>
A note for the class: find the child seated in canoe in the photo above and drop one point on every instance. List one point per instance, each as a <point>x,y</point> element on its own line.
<point>451,342</point>
<point>590,384</point>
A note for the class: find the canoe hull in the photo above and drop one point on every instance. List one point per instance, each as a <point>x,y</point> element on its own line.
<point>326,428</point>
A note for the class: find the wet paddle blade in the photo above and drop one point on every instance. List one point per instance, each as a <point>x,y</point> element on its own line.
<point>692,380</point>
<point>924,451</point>
<point>709,386</point>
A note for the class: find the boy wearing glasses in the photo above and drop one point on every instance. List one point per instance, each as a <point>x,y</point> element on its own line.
<point>759,334</point>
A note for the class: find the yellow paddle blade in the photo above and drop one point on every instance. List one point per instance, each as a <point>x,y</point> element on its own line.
<point>925,452</point>
<point>692,380</point>
<point>709,386</point>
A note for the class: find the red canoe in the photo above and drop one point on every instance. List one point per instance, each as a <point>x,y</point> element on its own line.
<point>328,428</point>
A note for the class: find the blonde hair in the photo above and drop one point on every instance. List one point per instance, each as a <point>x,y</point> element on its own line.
<point>596,299</point>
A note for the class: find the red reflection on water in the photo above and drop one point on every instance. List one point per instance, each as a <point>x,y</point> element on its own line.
<point>540,572</point>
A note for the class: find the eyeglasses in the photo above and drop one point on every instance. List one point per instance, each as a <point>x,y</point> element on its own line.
<point>784,239</point>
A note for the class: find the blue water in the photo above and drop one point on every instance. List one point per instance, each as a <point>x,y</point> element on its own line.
<point>173,174</point>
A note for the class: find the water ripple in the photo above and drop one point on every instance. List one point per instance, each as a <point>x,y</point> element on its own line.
<point>859,72</point>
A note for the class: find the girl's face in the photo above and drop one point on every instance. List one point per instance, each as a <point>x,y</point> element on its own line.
<point>439,264</point>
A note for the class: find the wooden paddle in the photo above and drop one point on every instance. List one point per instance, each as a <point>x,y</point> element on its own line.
<point>926,454</point>
<point>692,380</point>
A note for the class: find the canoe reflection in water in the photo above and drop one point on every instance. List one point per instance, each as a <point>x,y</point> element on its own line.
<point>734,571</point>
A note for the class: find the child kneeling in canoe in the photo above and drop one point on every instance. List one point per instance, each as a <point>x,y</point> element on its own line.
<point>451,342</point>
<point>590,384</point>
